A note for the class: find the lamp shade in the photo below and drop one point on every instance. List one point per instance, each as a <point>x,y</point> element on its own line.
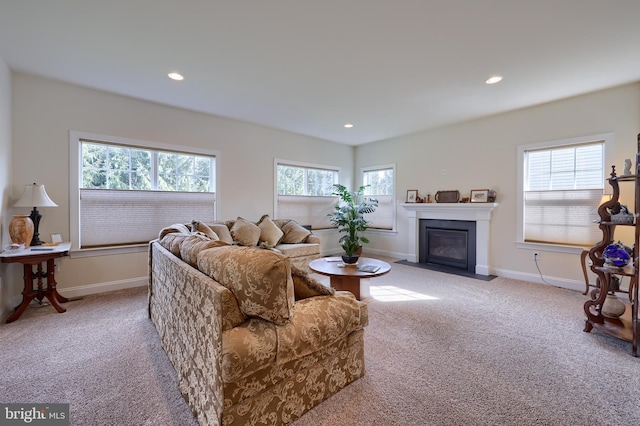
<point>34,196</point>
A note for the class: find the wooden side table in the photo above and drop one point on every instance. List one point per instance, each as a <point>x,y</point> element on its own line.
<point>348,277</point>
<point>37,256</point>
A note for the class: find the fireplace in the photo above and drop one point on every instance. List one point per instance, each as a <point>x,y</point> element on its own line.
<point>479,213</point>
<point>448,243</point>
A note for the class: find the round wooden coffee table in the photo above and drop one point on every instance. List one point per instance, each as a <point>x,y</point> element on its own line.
<point>350,277</point>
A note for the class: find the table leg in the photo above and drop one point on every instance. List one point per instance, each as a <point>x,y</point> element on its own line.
<point>51,293</point>
<point>27,294</point>
<point>348,283</point>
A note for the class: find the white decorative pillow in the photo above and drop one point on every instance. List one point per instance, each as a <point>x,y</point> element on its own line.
<point>270,233</point>
<point>245,233</point>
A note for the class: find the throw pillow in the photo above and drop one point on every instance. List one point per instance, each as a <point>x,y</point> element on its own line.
<point>294,233</point>
<point>197,226</point>
<point>245,232</point>
<point>270,234</point>
<point>259,279</point>
<point>305,286</point>
<point>222,231</point>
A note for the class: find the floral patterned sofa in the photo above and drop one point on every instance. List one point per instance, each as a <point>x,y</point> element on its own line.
<point>253,339</point>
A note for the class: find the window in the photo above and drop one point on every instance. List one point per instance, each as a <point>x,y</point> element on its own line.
<point>562,184</point>
<point>381,185</point>
<point>303,192</point>
<point>128,190</point>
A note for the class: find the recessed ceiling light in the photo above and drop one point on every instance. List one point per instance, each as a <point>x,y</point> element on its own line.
<point>494,79</point>
<point>176,76</point>
<point>348,125</point>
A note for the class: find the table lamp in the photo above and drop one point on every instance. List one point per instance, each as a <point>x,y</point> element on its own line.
<point>35,196</point>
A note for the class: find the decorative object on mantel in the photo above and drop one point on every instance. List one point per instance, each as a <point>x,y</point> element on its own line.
<point>623,217</point>
<point>447,196</point>
<point>627,167</point>
<point>21,230</point>
<point>349,218</point>
<point>428,198</point>
<point>412,195</point>
<point>617,255</point>
<point>35,196</point>
<point>491,196</point>
<point>479,195</point>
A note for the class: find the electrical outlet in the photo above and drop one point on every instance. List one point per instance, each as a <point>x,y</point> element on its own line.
<point>443,172</point>
<point>536,255</point>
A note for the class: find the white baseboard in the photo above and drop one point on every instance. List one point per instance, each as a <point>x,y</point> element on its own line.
<point>576,285</point>
<point>89,289</point>
<point>535,278</point>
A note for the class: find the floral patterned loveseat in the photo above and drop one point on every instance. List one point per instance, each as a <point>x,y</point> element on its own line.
<point>253,339</point>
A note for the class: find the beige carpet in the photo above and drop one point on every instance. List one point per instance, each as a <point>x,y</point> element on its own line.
<point>442,350</point>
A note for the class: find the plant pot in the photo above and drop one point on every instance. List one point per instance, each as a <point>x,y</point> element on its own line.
<point>350,260</point>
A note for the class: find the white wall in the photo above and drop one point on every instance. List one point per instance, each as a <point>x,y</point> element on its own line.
<point>477,154</point>
<point>5,180</point>
<point>45,111</point>
<point>481,154</point>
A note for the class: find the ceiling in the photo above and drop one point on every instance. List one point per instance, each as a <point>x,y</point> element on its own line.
<point>390,67</point>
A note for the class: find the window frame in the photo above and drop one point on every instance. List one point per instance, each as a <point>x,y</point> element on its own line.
<point>394,207</point>
<point>75,181</point>
<point>306,165</point>
<point>608,140</point>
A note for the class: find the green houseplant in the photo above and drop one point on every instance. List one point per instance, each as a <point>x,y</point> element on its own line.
<point>349,218</point>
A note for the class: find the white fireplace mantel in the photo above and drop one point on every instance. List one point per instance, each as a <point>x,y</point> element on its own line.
<point>476,212</point>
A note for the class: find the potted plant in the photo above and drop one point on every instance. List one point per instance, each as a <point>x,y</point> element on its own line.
<point>349,218</point>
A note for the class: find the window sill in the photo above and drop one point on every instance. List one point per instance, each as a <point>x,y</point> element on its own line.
<point>381,231</point>
<point>108,251</point>
<point>550,247</point>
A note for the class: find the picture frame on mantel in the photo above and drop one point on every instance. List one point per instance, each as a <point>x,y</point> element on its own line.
<point>412,195</point>
<point>479,196</point>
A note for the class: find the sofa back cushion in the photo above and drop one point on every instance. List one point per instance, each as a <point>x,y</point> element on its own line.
<point>259,279</point>
<point>194,244</point>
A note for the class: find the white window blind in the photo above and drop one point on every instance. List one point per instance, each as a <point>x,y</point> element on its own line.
<point>562,187</point>
<point>303,192</point>
<point>379,182</point>
<point>121,217</point>
<point>307,210</point>
<point>382,218</point>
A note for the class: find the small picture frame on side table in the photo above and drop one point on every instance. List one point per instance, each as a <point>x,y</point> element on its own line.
<point>479,196</point>
<point>56,238</point>
<point>412,195</point>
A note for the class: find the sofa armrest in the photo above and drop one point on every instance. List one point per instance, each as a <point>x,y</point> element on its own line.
<point>192,338</point>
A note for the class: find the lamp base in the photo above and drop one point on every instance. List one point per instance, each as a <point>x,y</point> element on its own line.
<point>35,218</point>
